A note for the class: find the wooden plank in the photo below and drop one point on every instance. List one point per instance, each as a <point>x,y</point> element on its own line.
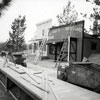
<point>73,92</point>
<point>17,69</point>
<point>31,76</point>
<point>22,84</point>
<point>45,86</point>
<point>82,63</point>
<point>70,92</point>
<point>35,85</point>
<point>54,92</point>
<point>41,76</point>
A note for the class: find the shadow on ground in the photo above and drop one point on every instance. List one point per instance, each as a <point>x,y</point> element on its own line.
<point>4,95</point>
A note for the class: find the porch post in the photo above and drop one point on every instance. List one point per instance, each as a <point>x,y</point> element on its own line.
<point>68,59</point>
<point>55,52</point>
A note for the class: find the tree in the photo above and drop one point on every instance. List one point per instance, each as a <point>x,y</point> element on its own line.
<point>94,17</point>
<point>68,16</point>
<point>16,41</point>
<point>97,2</point>
<point>3,5</point>
<point>3,46</point>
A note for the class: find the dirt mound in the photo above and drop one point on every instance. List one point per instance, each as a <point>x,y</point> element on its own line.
<point>94,58</point>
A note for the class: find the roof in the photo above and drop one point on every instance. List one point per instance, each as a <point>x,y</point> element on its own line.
<point>43,22</point>
<point>89,36</point>
<point>55,27</point>
<point>53,41</point>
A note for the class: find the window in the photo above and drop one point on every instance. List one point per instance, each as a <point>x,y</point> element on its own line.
<point>52,49</point>
<point>93,45</point>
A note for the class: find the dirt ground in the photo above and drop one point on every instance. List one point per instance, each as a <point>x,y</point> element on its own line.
<point>47,65</point>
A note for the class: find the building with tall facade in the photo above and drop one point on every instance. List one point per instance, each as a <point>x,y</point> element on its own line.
<point>40,34</point>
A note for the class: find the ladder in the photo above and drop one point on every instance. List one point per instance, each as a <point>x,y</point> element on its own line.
<point>38,56</point>
<point>59,59</point>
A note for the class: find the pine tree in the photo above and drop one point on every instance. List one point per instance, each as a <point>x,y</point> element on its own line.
<point>94,17</point>
<point>16,41</point>
<point>69,14</point>
<point>3,5</point>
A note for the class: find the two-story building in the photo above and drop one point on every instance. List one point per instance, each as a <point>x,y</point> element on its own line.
<point>41,33</point>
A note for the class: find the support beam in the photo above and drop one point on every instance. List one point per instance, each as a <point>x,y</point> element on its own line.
<point>68,59</point>
<point>55,52</point>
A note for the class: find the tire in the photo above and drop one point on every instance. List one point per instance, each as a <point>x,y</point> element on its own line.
<point>61,74</point>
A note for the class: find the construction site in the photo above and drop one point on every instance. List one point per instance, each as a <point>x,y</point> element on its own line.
<point>64,65</point>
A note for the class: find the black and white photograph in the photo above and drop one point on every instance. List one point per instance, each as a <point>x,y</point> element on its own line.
<point>49,49</point>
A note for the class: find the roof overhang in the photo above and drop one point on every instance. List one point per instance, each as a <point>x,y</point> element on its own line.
<point>54,41</point>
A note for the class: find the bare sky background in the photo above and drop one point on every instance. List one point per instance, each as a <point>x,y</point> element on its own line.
<point>35,12</point>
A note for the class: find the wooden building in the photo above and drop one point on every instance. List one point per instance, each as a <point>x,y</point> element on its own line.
<point>41,33</point>
<point>91,45</point>
<point>79,44</point>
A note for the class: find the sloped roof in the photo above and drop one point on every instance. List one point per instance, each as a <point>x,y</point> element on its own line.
<point>86,35</point>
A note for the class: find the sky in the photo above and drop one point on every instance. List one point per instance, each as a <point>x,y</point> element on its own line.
<point>37,11</point>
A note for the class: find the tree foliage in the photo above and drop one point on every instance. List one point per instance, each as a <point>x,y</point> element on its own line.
<point>69,14</point>
<point>3,5</point>
<point>94,17</point>
<point>3,46</point>
<point>16,41</point>
<point>96,25</point>
<point>97,2</point>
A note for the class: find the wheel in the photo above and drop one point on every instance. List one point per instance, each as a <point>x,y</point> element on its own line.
<point>61,73</point>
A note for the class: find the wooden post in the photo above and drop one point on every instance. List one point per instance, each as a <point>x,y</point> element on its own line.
<point>68,59</point>
<point>55,52</point>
